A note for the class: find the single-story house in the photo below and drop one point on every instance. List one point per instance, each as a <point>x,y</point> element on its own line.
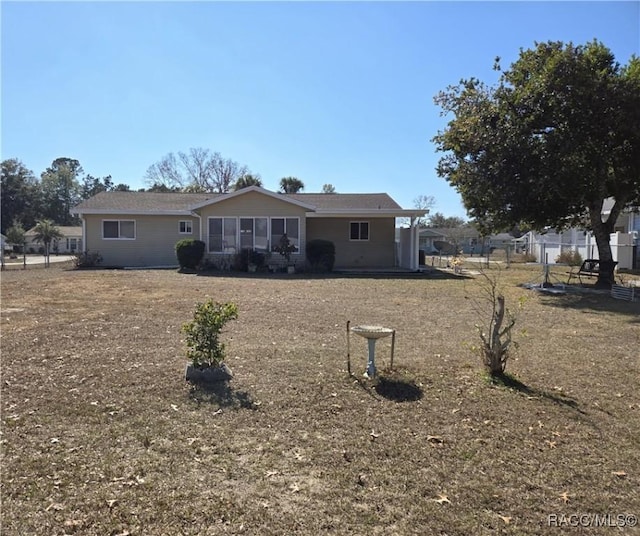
<point>142,228</point>
<point>71,241</point>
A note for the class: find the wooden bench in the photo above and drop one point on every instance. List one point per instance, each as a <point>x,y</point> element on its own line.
<point>588,268</point>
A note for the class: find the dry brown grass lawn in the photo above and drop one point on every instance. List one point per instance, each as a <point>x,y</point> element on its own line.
<point>101,435</point>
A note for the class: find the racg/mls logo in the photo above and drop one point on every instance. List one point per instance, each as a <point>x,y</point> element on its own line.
<point>592,520</point>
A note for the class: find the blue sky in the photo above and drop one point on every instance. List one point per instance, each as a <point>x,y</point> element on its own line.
<point>329,92</point>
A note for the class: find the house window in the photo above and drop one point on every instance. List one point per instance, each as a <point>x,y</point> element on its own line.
<point>186,227</point>
<point>73,244</point>
<point>119,229</point>
<point>359,230</point>
<point>288,226</point>
<point>253,233</point>
<point>222,235</point>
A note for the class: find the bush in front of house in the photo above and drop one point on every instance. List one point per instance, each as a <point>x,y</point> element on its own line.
<point>189,253</point>
<point>87,259</point>
<point>321,255</point>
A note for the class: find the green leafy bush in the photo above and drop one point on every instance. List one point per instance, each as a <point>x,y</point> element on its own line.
<point>87,259</point>
<point>189,253</point>
<point>321,255</point>
<point>570,257</point>
<point>203,332</point>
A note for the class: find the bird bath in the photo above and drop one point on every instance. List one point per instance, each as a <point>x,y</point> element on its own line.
<point>372,334</point>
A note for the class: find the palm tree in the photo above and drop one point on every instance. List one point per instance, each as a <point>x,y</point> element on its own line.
<point>291,185</point>
<point>45,233</point>
<point>247,180</point>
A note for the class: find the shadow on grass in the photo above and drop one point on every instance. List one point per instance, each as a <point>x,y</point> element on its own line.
<point>593,300</point>
<point>398,390</point>
<point>220,394</point>
<point>392,386</point>
<point>431,273</point>
<point>506,380</point>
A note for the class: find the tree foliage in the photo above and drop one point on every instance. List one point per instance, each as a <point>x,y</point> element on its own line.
<point>291,185</point>
<point>16,234</point>
<point>61,190</point>
<point>545,147</point>
<point>439,220</point>
<point>247,180</point>
<point>198,170</point>
<point>20,195</point>
<point>328,189</point>
<point>62,185</point>
<point>45,233</point>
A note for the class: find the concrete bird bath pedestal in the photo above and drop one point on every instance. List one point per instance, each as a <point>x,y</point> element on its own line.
<point>372,334</point>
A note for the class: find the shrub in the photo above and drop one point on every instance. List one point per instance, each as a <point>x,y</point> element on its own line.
<point>570,257</point>
<point>495,328</point>
<point>321,255</point>
<point>189,252</point>
<point>87,259</point>
<point>203,332</point>
<point>242,260</point>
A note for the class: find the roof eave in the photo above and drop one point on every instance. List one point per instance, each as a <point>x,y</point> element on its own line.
<point>134,212</point>
<point>367,213</point>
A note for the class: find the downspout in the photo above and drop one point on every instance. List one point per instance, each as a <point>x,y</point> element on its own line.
<point>196,215</point>
<point>84,235</point>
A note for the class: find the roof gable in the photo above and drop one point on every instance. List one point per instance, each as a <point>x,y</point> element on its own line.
<point>244,191</point>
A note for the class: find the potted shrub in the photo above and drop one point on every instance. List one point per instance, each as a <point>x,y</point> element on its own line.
<point>256,261</point>
<point>205,350</point>
<point>285,247</point>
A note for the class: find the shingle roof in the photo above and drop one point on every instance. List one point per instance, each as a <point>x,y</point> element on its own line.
<point>142,201</point>
<point>147,202</point>
<point>347,201</point>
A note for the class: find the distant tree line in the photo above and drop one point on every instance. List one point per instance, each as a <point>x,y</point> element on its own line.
<point>28,199</point>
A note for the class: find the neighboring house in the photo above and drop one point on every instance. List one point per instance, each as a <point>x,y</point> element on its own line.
<point>4,244</point>
<point>142,228</point>
<point>465,239</point>
<point>71,241</point>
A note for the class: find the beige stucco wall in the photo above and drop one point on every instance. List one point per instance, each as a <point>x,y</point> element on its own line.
<point>377,252</point>
<point>154,244</point>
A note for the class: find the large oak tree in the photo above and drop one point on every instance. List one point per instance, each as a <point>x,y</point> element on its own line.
<point>548,144</point>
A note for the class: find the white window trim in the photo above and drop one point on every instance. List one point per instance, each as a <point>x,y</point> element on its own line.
<point>188,224</point>
<point>254,218</point>
<point>135,230</point>
<point>360,222</point>
<point>238,218</point>
<point>237,247</point>
<point>285,218</point>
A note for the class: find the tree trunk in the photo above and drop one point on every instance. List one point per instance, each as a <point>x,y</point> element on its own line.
<point>496,367</point>
<point>601,232</point>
